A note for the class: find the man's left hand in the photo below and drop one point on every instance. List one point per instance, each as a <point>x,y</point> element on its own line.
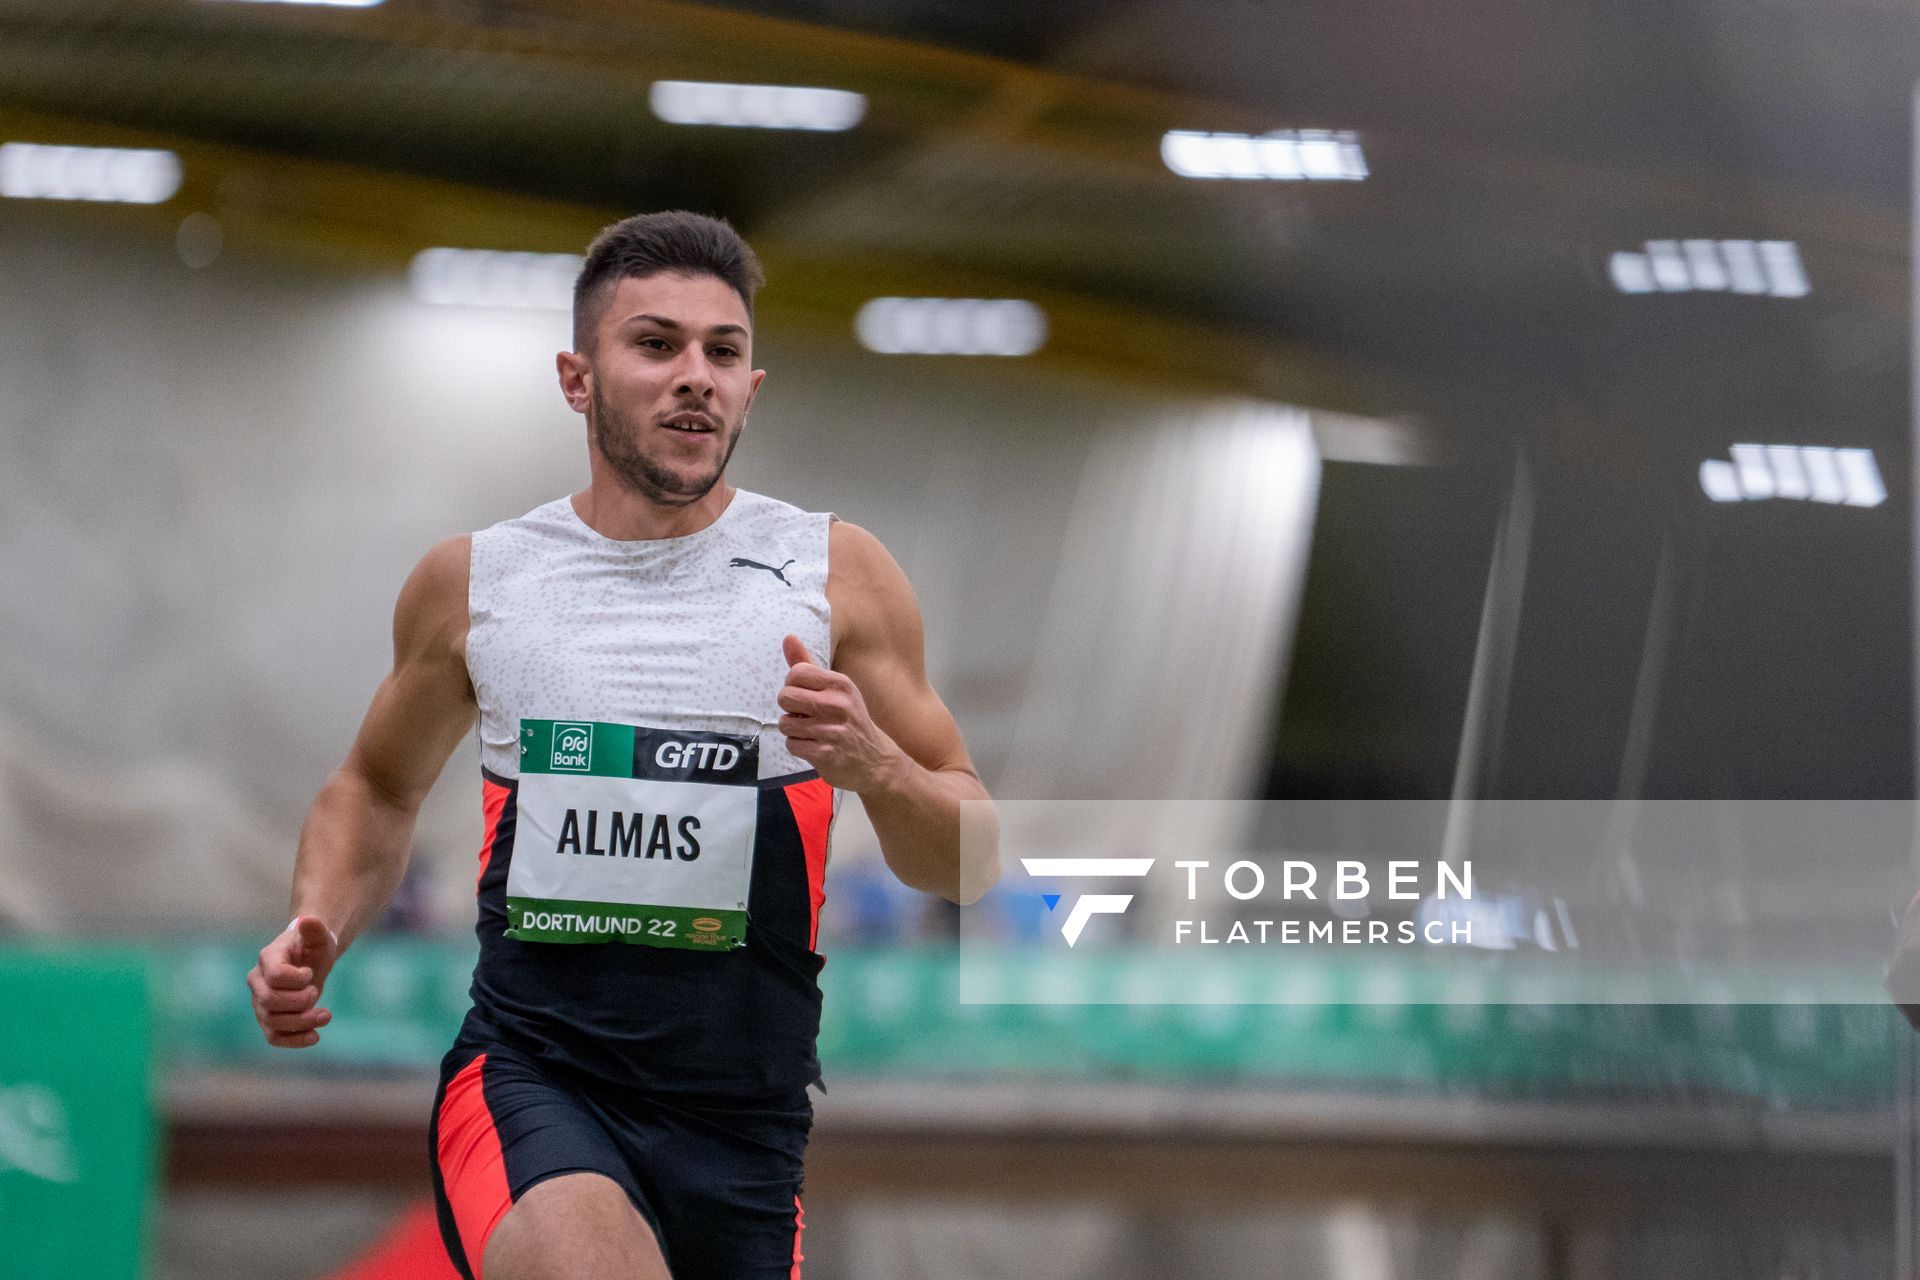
<point>827,725</point>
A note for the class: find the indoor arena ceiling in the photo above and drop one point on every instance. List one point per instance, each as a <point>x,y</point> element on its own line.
<point>1015,150</point>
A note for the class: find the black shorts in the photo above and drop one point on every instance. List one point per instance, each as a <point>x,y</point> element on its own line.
<point>718,1180</point>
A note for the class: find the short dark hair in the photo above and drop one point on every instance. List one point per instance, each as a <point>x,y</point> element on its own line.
<point>688,244</point>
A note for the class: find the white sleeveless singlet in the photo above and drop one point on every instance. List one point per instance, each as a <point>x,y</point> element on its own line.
<point>679,633</point>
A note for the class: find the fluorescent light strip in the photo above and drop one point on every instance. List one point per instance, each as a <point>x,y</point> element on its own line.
<point>1803,472</point>
<point>1791,479</point>
<point>1282,156</point>
<point>334,4</point>
<point>1825,483</point>
<point>951,326</point>
<point>1718,480</point>
<point>1860,477</point>
<point>1712,266</point>
<point>1751,469</point>
<point>491,278</point>
<point>756,106</point>
<point>113,175</point>
<point>1782,262</point>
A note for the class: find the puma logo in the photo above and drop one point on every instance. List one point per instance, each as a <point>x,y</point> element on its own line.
<point>741,562</point>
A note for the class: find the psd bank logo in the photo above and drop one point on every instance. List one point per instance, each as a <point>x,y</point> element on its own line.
<point>1087,905</point>
<point>572,747</point>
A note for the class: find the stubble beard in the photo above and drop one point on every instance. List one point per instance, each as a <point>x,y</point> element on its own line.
<point>618,440</point>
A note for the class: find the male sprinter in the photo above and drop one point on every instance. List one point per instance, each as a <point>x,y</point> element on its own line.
<point>671,678</point>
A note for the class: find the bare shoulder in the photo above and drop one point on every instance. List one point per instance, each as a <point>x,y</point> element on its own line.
<point>869,594</point>
<point>856,558</point>
<point>430,618</point>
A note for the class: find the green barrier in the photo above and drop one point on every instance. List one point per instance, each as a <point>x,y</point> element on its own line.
<point>77,1129</point>
<point>398,1002</point>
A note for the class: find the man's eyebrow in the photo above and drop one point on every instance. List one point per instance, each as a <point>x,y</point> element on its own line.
<point>664,322</point>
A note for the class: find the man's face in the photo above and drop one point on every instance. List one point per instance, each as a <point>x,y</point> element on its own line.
<point>668,383</point>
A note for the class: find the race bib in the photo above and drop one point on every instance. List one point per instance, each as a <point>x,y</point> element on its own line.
<point>632,834</point>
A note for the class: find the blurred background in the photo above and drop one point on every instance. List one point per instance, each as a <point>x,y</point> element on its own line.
<point>1291,401</point>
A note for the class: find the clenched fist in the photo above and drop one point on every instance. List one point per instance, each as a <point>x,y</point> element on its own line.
<point>287,981</point>
<point>827,725</point>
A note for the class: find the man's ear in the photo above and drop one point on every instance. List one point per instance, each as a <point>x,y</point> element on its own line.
<point>576,379</point>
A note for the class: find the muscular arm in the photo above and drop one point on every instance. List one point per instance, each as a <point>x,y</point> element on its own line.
<point>354,846</point>
<point>873,725</point>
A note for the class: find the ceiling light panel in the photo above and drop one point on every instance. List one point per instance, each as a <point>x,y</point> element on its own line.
<point>1805,473</point>
<point>951,326</point>
<point>1286,155</point>
<point>115,175</point>
<point>756,106</point>
<point>1763,267</point>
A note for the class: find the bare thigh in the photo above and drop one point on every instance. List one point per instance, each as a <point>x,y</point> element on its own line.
<point>578,1226</point>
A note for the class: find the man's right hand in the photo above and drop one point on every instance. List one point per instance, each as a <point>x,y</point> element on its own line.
<point>286,983</point>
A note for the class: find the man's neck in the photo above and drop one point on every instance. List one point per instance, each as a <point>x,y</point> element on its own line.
<point>614,511</point>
